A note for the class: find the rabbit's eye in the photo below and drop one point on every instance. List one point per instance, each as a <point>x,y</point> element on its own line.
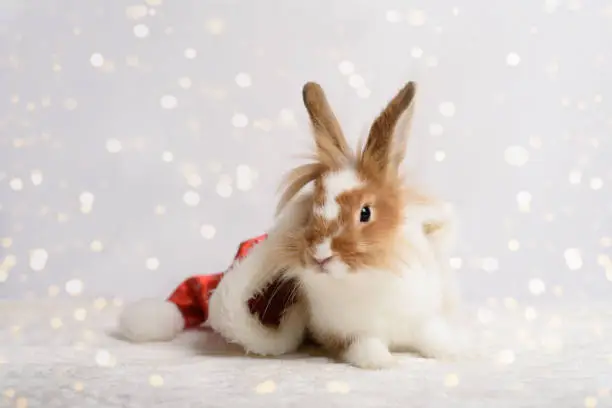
<point>365,214</point>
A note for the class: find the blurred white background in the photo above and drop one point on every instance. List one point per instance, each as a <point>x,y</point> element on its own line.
<point>140,142</point>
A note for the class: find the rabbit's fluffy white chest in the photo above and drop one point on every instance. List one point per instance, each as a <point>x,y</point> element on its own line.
<point>390,307</point>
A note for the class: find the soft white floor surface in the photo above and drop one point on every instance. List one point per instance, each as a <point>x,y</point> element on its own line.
<point>63,354</point>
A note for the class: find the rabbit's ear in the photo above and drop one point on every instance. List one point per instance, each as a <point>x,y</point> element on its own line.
<point>385,148</point>
<point>332,148</point>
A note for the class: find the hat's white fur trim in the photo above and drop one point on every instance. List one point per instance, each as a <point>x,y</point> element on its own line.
<point>229,314</point>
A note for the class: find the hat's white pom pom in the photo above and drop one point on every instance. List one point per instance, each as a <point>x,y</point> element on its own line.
<point>151,320</point>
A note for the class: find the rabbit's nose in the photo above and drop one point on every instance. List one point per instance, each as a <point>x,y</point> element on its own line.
<point>323,261</point>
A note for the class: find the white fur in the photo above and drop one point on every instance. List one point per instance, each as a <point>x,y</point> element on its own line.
<point>323,250</point>
<point>334,185</point>
<point>387,312</point>
<point>229,314</point>
<point>150,320</point>
<point>328,211</point>
<point>369,352</point>
<point>336,268</point>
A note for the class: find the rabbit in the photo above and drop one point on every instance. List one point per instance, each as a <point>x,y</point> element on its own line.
<point>367,251</point>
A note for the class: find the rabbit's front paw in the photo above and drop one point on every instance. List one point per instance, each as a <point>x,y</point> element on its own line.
<point>369,353</point>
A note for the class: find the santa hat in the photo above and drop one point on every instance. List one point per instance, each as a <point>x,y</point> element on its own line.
<point>247,305</point>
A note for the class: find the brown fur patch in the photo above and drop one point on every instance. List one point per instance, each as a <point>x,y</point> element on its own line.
<point>329,137</point>
<point>295,181</point>
<point>358,244</point>
<point>270,304</point>
<point>381,153</point>
<point>369,244</point>
<point>318,194</point>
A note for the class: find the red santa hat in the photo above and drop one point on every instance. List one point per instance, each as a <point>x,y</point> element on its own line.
<point>248,305</point>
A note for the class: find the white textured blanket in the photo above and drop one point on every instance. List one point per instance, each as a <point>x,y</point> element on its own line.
<point>64,354</point>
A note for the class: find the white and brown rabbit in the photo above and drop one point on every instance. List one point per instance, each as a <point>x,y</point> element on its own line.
<point>369,252</point>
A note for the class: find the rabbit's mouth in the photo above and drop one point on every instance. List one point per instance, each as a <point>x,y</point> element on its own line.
<point>322,264</point>
<point>332,266</point>
<point>319,267</point>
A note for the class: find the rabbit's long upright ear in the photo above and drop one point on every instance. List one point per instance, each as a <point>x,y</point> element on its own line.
<point>385,148</point>
<point>332,147</point>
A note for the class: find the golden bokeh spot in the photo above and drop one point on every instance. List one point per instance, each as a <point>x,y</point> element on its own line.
<point>338,387</point>
<point>53,291</point>
<point>105,359</point>
<point>506,357</point>
<point>266,387</point>
<point>156,380</point>
<point>56,323</point>
<point>215,26</point>
<point>96,246</point>
<point>100,303</point>
<point>451,380</point>
<point>510,303</point>
<point>80,314</point>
